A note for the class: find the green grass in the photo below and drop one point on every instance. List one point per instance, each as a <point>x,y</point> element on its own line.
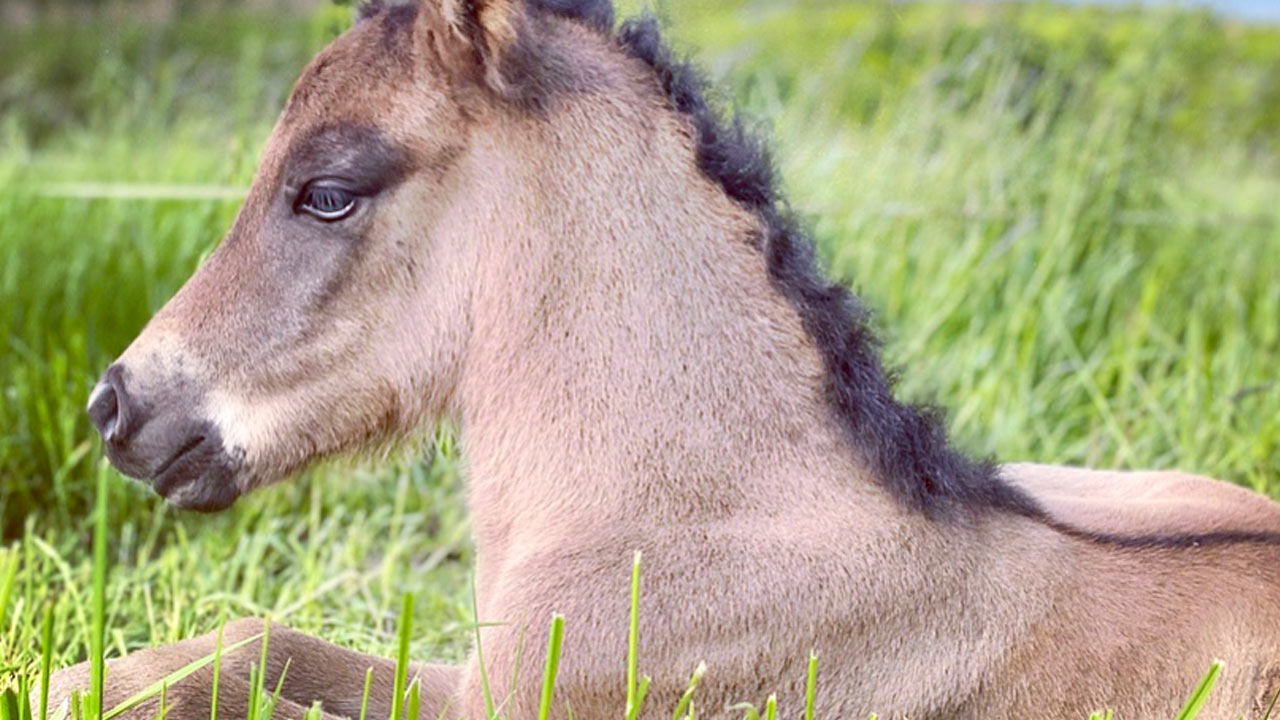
<point>1064,217</point>
<point>405,701</point>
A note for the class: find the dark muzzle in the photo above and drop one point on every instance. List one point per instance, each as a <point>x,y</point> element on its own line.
<point>163,441</point>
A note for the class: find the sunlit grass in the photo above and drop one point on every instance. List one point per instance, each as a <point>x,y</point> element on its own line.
<point>555,637</point>
<point>406,697</point>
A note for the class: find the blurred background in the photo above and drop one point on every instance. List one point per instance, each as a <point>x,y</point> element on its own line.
<point>1066,215</point>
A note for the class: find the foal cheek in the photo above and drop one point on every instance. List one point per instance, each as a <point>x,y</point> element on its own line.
<point>348,334</point>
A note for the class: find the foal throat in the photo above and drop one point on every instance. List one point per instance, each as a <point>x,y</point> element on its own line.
<point>630,357</point>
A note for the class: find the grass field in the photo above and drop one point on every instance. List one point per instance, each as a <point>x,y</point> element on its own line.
<point>1067,219</point>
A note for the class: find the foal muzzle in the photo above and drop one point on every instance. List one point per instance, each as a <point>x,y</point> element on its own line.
<point>159,438</point>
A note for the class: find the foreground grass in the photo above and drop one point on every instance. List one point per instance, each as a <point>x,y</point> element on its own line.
<point>1065,217</point>
<point>406,690</point>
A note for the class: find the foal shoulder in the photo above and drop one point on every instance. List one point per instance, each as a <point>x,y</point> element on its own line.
<point>1144,502</point>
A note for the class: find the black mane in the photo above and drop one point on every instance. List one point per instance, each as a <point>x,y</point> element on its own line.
<point>906,445</point>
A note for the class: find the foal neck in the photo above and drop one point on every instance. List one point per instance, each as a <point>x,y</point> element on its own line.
<point>630,360</point>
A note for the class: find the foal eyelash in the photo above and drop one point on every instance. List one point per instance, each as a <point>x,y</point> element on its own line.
<point>324,201</point>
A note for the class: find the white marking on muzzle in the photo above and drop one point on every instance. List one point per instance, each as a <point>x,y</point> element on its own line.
<point>250,427</point>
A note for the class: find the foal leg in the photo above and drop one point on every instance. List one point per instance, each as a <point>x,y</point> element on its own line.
<point>317,671</point>
<point>194,700</point>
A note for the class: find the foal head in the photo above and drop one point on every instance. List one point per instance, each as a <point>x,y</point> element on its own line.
<point>335,313</point>
<point>464,194</point>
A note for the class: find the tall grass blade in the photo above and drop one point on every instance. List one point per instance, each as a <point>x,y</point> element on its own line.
<point>97,641</point>
<point>684,708</point>
<point>633,640</point>
<point>415,700</point>
<point>515,670</point>
<point>552,666</point>
<point>8,576</point>
<point>9,705</point>
<point>46,661</point>
<point>1271,707</point>
<point>15,704</point>
<point>255,678</point>
<point>217,673</point>
<point>364,696</point>
<point>258,676</point>
<point>1201,694</point>
<point>771,708</point>
<point>275,696</point>
<point>811,686</point>
<point>402,657</point>
<point>641,693</point>
<point>485,690</point>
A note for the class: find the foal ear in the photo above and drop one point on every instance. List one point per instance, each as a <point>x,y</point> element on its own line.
<point>478,39</point>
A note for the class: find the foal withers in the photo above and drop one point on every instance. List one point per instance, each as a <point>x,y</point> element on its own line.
<point>503,212</point>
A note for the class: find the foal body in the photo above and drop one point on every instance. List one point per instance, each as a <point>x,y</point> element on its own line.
<point>625,336</point>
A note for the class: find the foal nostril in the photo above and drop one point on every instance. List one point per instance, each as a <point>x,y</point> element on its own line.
<point>103,410</point>
<point>107,407</point>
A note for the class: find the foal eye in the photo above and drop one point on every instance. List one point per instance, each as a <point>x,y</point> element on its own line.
<point>326,201</point>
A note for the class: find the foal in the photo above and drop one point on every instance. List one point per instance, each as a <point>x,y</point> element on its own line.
<point>507,213</point>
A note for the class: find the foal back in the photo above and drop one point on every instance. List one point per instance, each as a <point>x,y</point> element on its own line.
<point>1167,572</point>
